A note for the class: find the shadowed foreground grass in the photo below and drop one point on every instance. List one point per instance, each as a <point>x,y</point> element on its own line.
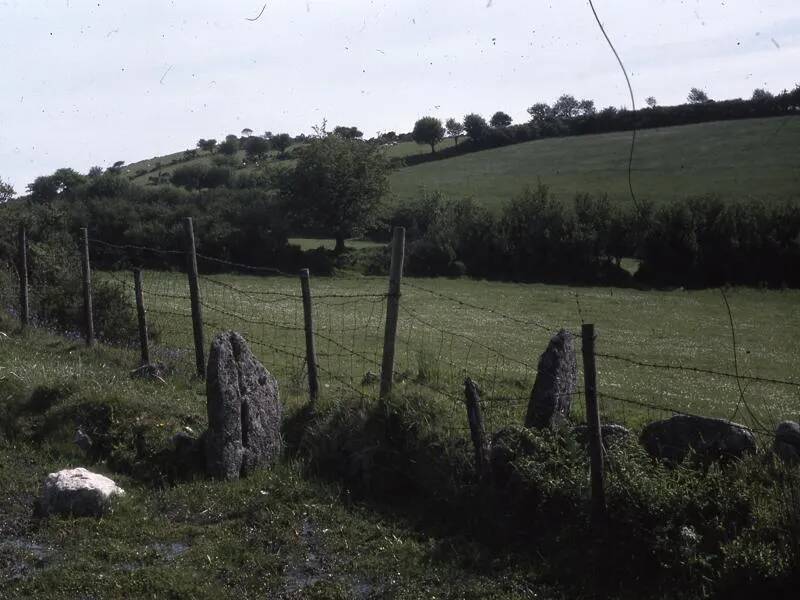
<point>275,534</point>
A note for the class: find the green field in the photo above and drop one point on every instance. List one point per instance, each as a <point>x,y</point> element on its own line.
<point>330,244</point>
<point>755,158</point>
<point>442,339</point>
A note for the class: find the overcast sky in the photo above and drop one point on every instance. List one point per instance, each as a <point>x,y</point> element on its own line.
<point>91,82</point>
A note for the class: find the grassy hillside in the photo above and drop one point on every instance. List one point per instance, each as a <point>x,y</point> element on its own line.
<point>736,159</point>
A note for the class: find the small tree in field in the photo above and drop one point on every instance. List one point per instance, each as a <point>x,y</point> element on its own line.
<point>651,101</point>
<point>500,119</point>
<point>428,130</point>
<point>336,185</point>
<point>454,128</point>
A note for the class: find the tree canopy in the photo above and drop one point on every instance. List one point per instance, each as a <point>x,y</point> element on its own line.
<point>6,191</point>
<point>428,130</point>
<point>256,147</point>
<point>500,119</point>
<point>476,126</point>
<point>348,133</point>
<point>230,146</point>
<point>454,128</point>
<point>697,96</point>
<point>281,142</point>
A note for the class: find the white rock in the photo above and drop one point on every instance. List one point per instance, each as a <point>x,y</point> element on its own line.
<point>78,492</point>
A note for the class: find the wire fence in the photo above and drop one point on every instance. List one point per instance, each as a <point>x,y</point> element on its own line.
<point>441,338</point>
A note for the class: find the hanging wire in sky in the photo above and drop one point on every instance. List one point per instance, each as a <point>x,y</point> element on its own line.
<point>633,103</point>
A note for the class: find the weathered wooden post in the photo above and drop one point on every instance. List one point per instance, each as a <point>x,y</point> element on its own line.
<point>392,310</point>
<point>141,315</point>
<point>476,428</point>
<point>194,292</point>
<point>593,423</point>
<point>24,307</point>
<point>88,319</point>
<point>311,351</point>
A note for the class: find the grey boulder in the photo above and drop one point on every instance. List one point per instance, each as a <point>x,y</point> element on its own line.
<point>244,411</point>
<point>609,433</point>
<point>787,441</point>
<point>674,438</point>
<point>556,382</point>
<point>77,492</point>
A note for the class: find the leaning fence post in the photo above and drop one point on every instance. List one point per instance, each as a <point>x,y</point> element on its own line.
<point>194,292</point>
<point>392,309</point>
<point>141,315</point>
<point>476,428</point>
<point>593,422</point>
<point>88,319</point>
<point>311,351</point>
<point>23,277</point>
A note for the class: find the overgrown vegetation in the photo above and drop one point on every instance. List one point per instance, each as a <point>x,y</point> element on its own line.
<point>697,242</point>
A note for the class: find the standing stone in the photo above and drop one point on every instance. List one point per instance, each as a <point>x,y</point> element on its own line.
<point>77,492</point>
<point>556,381</point>
<point>244,412</point>
<point>787,441</point>
<point>710,439</point>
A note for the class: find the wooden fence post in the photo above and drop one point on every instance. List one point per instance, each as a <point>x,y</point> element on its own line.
<point>593,423</point>
<point>88,319</point>
<point>392,309</point>
<point>141,315</point>
<point>194,292</point>
<point>476,428</point>
<point>24,307</point>
<point>311,351</point>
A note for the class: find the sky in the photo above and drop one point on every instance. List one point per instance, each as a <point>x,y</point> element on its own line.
<point>92,82</point>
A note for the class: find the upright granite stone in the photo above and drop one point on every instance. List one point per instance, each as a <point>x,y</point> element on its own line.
<point>556,381</point>
<point>244,412</point>
<point>787,442</point>
<point>710,439</point>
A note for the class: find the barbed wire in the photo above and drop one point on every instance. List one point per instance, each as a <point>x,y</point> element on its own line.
<point>666,366</point>
<point>478,307</point>
<point>135,247</point>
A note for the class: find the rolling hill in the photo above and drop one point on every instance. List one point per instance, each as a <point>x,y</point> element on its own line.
<point>736,159</point>
<point>753,158</point>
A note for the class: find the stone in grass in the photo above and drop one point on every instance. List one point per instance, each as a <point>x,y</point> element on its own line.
<point>609,432</point>
<point>787,442</point>
<point>674,438</point>
<point>77,492</point>
<point>244,411</point>
<point>556,382</point>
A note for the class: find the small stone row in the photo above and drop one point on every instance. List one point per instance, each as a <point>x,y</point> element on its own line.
<point>671,439</point>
